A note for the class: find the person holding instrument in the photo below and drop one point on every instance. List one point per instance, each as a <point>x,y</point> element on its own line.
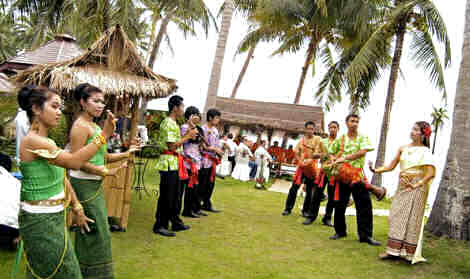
<point>93,249</point>
<point>46,192</point>
<point>170,164</point>
<point>406,219</point>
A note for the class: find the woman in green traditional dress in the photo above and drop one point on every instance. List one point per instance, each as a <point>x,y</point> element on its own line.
<point>45,190</point>
<point>406,220</point>
<point>93,249</point>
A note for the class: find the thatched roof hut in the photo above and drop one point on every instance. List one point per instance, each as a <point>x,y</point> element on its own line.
<point>277,116</point>
<point>62,48</point>
<point>112,63</point>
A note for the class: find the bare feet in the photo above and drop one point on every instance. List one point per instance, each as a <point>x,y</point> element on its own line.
<point>385,256</point>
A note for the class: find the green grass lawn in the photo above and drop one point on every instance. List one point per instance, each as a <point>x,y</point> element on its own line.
<point>250,239</point>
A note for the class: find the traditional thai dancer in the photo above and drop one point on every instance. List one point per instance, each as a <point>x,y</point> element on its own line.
<point>350,151</point>
<point>171,167</point>
<point>323,180</point>
<point>192,163</point>
<point>46,191</point>
<point>406,220</point>
<point>211,158</point>
<point>308,151</point>
<point>93,249</point>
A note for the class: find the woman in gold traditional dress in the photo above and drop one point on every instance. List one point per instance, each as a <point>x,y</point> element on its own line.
<point>406,220</point>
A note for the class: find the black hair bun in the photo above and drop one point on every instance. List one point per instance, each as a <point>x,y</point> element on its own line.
<point>78,91</point>
<point>24,97</point>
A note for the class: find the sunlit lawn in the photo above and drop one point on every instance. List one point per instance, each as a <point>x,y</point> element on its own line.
<point>250,239</point>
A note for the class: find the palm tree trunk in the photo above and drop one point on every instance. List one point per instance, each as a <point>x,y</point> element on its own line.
<point>311,49</point>
<point>435,138</point>
<point>377,178</point>
<point>219,55</point>
<point>158,41</point>
<point>153,33</point>
<point>243,71</point>
<point>450,214</point>
<point>153,56</point>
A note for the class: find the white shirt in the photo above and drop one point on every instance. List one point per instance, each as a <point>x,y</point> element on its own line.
<point>243,151</point>
<point>261,152</point>
<point>233,147</point>
<point>22,127</point>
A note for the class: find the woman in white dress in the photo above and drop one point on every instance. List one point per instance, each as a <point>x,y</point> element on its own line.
<point>243,155</point>
<point>225,167</point>
<point>262,158</point>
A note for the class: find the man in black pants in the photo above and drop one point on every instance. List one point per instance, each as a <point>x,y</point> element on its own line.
<point>350,150</point>
<point>323,182</point>
<point>308,148</point>
<point>170,142</point>
<point>210,160</point>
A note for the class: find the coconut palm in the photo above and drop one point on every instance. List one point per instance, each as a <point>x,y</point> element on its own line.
<point>449,215</point>
<point>216,71</point>
<point>315,24</point>
<point>421,20</point>
<point>438,116</point>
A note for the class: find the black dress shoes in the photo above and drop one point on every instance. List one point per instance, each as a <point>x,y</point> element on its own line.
<point>370,241</point>
<point>308,221</point>
<point>211,209</point>
<point>191,215</point>
<point>337,236</point>
<point>200,213</point>
<point>179,227</point>
<point>163,232</point>
<point>327,223</point>
<point>285,213</point>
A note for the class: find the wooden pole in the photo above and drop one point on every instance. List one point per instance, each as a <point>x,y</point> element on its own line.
<point>130,166</point>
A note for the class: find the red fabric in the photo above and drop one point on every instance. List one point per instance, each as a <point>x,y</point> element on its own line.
<point>320,180</point>
<point>182,172</point>
<point>193,179</point>
<point>298,176</point>
<point>350,175</point>
<point>215,161</point>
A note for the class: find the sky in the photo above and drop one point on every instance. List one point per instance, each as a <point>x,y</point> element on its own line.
<point>275,79</point>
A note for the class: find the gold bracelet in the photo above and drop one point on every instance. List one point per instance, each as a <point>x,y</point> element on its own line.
<point>77,207</point>
<point>105,171</point>
<point>99,140</point>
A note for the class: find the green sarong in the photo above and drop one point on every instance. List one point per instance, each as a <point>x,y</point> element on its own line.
<point>47,246</point>
<point>93,249</point>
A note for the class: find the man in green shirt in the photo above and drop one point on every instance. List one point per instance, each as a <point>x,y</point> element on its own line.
<point>351,150</point>
<point>170,142</point>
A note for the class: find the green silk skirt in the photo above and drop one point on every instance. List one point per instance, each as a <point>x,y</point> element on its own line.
<point>93,249</point>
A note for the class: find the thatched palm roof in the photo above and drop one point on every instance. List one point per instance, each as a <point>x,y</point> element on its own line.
<point>112,63</point>
<point>278,116</point>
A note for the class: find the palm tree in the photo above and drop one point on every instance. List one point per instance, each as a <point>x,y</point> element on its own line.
<point>438,117</point>
<point>185,15</point>
<point>421,20</point>
<point>315,24</point>
<point>216,71</point>
<point>449,215</point>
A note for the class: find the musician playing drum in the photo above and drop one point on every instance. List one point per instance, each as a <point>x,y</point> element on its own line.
<point>308,151</point>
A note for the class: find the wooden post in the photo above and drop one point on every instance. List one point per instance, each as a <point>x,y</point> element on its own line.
<point>130,167</point>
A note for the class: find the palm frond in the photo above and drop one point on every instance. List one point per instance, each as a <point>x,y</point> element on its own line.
<point>436,26</point>
<point>425,55</point>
